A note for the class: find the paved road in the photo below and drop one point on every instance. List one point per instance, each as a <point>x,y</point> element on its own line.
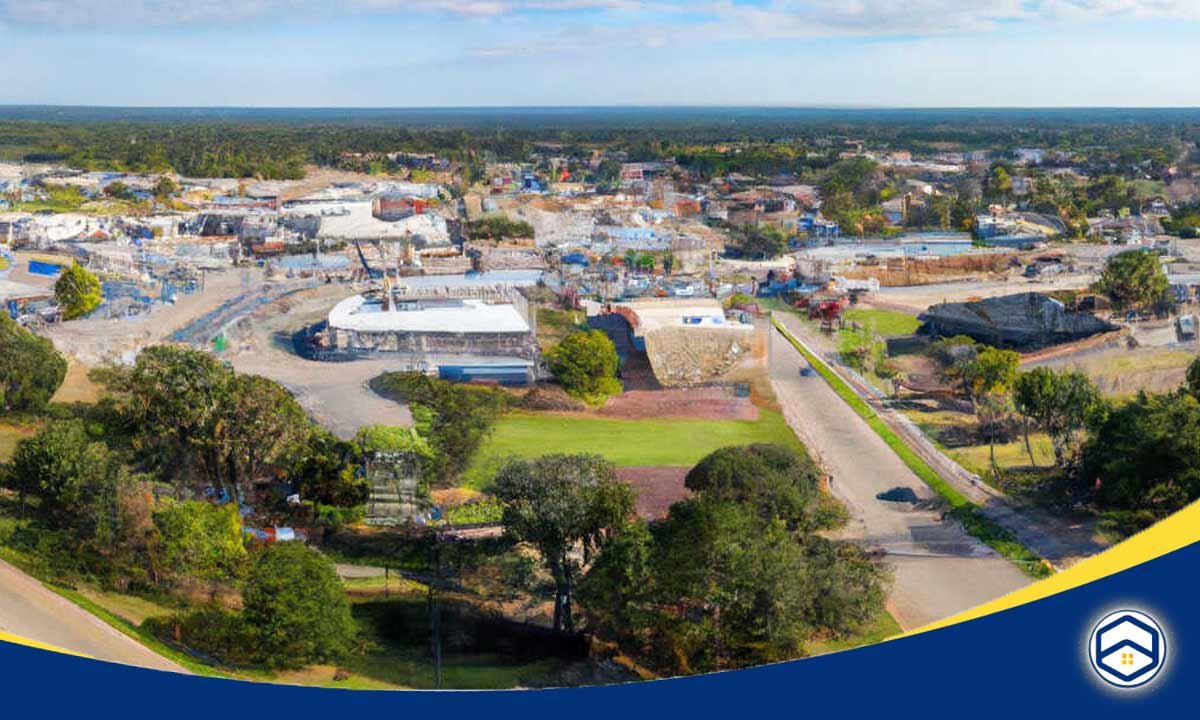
<point>939,569</point>
<point>30,611</point>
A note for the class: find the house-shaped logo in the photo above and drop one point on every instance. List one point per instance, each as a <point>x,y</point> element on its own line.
<point>1127,648</point>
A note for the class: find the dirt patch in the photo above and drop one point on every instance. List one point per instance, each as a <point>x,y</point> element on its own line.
<point>453,497</point>
<point>77,387</point>
<point>550,398</point>
<point>701,403</point>
<point>658,488</point>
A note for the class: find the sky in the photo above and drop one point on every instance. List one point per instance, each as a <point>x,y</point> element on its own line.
<point>436,53</point>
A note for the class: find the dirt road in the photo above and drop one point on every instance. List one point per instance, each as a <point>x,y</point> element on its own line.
<point>939,568</point>
<point>30,611</point>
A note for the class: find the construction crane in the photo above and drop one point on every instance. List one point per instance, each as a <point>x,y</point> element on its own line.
<point>372,274</point>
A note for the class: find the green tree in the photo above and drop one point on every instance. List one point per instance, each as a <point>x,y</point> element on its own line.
<point>1057,403</point>
<point>327,472</point>
<point>165,188</point>
<point>989,379</point>
<point>1133,279</point>
<point>775,481</point>
<point>197,540</point>
<point>75,478</point>
<point>173,400</point>
<point>764,242</point>
<point>77,292</point>
<point>1000,183</point>
<point>616,591</point>
<point>560,503</point>
<point>740,587</point>
<point>1142,458</point>
<point>31,370</point>
<point>118,190</point>
<point>454,418</point>
<point>585,364</point>
<point>1192,381</point>
<point>295,607</point>
<point>261,426</point>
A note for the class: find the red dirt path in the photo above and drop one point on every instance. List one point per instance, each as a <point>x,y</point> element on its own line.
<point>658,488</point>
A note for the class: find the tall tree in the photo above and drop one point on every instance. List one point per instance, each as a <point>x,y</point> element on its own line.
<point>261,426</point>
<point>173,399</point>
<point>561,504</point>
<point>1057,403</point>
<point>989,379</point>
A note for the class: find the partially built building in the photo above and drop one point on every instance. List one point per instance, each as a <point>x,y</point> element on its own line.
<point>1024,321</point>
<point>687,342</point>
<point>465,333</point>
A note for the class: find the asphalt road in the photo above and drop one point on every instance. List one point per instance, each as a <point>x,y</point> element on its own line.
<point>30,611</point>
<point>939,569</point>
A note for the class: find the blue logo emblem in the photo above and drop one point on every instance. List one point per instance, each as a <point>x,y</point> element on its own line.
<point>1127,648</point>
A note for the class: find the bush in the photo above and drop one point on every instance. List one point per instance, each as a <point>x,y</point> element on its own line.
<point>31,370</point>
<point>585,364</point>
<point>77,292</point>
<point>212,631</point>
<point>484,510</point>
<point>454,418</point>
<point>295,607</point>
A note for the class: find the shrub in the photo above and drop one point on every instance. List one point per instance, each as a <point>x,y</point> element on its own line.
<point>296,607</point>
<point>585,364</point>
<point>30,368</point>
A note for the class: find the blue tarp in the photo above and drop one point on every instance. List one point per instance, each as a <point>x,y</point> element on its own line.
<point>37,267</point>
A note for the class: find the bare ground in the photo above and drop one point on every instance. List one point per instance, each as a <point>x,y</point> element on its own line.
<point>702,403</point>
<point>658,488</point>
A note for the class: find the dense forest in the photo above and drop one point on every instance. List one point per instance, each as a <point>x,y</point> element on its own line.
<point>278,143</point>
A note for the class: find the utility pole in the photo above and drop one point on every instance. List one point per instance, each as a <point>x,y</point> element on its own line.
<point>435,611</point>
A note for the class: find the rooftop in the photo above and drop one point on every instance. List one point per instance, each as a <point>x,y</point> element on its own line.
<point>363,314</point>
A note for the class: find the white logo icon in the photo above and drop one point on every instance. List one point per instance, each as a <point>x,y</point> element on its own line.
<point>1127,648</point>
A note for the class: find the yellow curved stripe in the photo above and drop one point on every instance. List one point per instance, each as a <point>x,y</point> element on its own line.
<point>18,640</point>
<point>1177,531</point>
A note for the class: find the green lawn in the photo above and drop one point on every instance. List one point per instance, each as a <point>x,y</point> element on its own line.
<point>887,323</point>
<point>624,442</point>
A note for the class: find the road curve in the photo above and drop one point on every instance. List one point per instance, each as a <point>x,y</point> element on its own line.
<point>939,569</point>
<point>30,611</point>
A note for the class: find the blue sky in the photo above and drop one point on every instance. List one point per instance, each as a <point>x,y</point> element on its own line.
<point>408,53</point>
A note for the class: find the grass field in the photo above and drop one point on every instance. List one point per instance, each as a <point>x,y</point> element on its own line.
<point>627,443</point>
<point>887,323</point>
<point>977,457</point>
